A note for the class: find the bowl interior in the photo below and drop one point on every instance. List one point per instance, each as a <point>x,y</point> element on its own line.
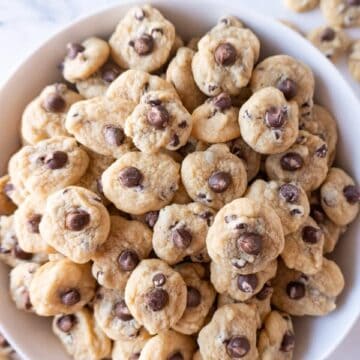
<point>316,337</point>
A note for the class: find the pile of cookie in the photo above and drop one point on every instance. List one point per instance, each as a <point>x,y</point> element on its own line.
<point>331,39</point>
<point>175,202</point>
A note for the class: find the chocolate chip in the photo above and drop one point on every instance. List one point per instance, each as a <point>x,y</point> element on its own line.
<point>264,292</point>
<point>77,220</point>
<point>66,322</point>
<point>183,124</point>
<point>294,212</point>
<point>250,243</point>
<point>73,49</point>
<point>157,299</point>
<point>208,216</point>
<point>219,181</point>
<point>229,218</point>
<point>174,140</point>
<point>295,290</point>
<point>328,34</point>
<point>151,218</point>
<point>113,135</point>
<point>247,283</point>
<point>144,44</point>
<point>353,2</point>
<point>352,194</point>
<point>237,346</point>
<point>70,297</point>
<point>122,311</point>
<point>128,260</point>
<point>130,176</point>
<point>288,342</point>
<point>54,103</point>
<point>322,151</point>
<point>33,222</point>
<point>193,297</point>
<point>222,101</point>
<point>181,237</point>
<point>317,213</point>
<point>19,253</point>
<point>289,192</point>
<point>311,235</point>
<point>288,87</point>
<point>275,117</point>
<point>176,356</point>
<point>135,356</point>
<point>159,279</point>
<point>225,54</point>
<point>158,117</point>
<point>109,72</point>
<point>291,161</point>
<point>56,160</point>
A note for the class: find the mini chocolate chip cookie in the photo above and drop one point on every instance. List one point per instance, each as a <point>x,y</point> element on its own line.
<point>354,60</point>
<point>341,12</point>
<point>7,206</point>
<point>139,182</point>
<point>299,294</point>
<point>180,231</point>
<point>301,5</point>
<point>81,335</point>
<point>214,177</point>
<point>246,234</point>
<point>142,40</point>
<point>156,295</point>
<point>306,162</point>
<point>231,333</point>
<point>83,60</point>
<point>75,223</point>
<point>45,116</point>
<point>216,120</point>
<point>127,244</point>
<point>61,286</point>
<point>268,122</point>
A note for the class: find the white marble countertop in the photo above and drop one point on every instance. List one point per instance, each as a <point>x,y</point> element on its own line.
<point>25,24</point>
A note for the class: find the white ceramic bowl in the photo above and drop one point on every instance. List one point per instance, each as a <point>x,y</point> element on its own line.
<point>316,337</point>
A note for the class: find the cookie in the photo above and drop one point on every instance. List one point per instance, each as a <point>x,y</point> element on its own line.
<point>200,298</point>
<point>354,60</point>
<point>113,316</point>
<point>156,295</point>
<point>44,117</point>
<point>288,200</point>
<point>20,279</point>
<point>181,230</point>
<point>142,40</point>
<point>214,177</point>
<point>305,162</point>
<point>159,121</point>
<point>61,287</point>
<point>268,122</point>
<point>48,166</point>
<point>240,287</point>
<point>341,12</point>
<point>179,73</point>
<point>98,123</point>
<point>299,294</point>
<point>75,223</point>
<point>216,120</point>
<point>303,249</point>
<point>323,125</point>
<point>340,197</point>
<point>133,84</point>
<point>331,41</point>
<point>138,182</point>
<point>81,336</point>
<point>83,60</point>
<point>169,345</point>
<point>291,76</point>
<point>246,234</point>
<point>225,60</point>
<point>127,244</point>
<point>302,5</point>
<point>250,157</point>
<point>97,84</point>
<point>7,207</point>
<point>130,348</point>
<point>277,338</point>
<point>230,334</point>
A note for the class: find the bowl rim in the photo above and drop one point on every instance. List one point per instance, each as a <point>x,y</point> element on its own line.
<point>233,6</point>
